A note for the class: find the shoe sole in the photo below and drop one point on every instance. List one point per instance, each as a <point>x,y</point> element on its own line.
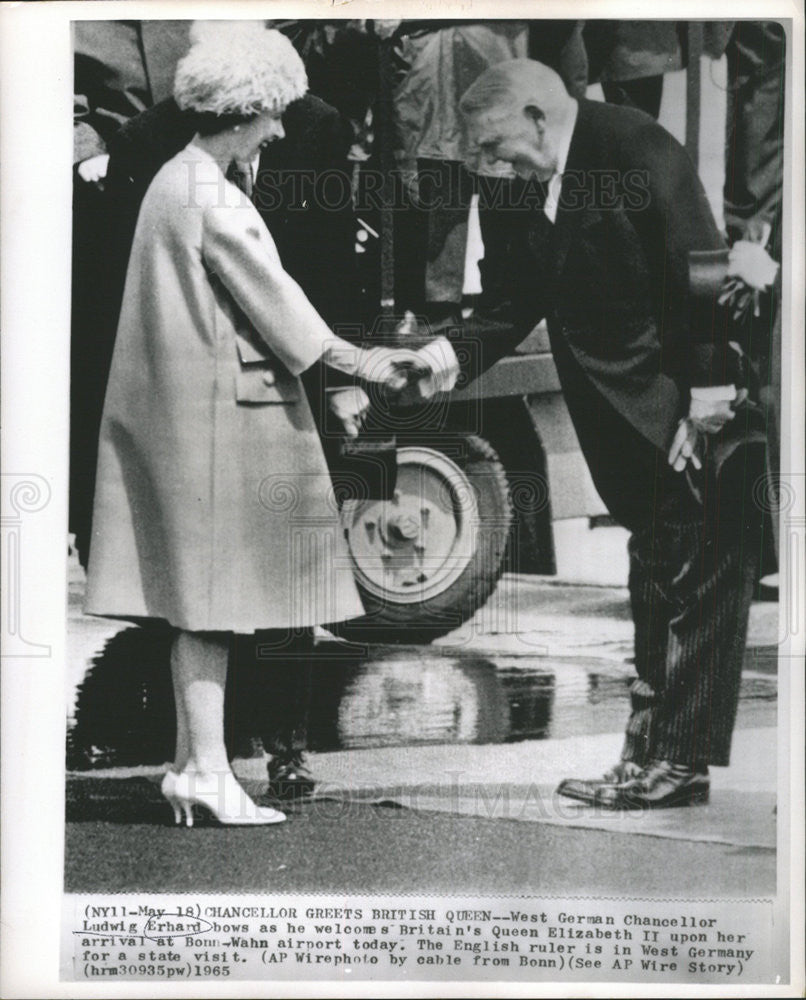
<point>591,798</point>
<point>199,809</point>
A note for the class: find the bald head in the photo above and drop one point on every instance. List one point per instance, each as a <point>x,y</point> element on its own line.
<point>514,113</point>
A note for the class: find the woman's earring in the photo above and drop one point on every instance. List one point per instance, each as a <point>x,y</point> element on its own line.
<point>236,128</point>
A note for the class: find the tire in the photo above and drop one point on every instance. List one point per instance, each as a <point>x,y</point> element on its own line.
<point>427,561</point>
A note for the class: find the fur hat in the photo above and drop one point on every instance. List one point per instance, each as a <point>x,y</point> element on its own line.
<point>238,68</point>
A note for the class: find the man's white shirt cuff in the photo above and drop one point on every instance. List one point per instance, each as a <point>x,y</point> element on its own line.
<point>714,393</point>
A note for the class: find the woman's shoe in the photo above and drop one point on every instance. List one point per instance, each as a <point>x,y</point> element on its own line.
<point>220,795</point>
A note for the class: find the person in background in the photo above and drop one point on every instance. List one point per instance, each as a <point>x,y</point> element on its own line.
<point>754,175</point>
<point>342,59</point>
<point>630,59</point>
<point>108,93</point>
<point>756,53</point>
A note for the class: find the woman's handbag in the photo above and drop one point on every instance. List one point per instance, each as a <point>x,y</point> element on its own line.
<point>364,468</point>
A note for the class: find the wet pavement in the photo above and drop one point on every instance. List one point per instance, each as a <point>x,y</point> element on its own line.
<point>475,731</point>
<point>540,661</point>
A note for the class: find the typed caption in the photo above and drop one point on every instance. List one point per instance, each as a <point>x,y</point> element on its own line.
<point>396,938</point>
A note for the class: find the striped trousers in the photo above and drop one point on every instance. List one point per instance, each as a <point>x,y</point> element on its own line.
<point>692,574</point>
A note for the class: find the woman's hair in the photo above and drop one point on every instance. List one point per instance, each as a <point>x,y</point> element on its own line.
<point>236,70</point>
<point>209,123</point>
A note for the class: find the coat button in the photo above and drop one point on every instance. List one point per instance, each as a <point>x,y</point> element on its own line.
<point>269,378</point>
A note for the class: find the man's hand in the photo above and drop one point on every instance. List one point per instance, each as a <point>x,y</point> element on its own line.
<point>350,406</point>
<point>684,447</point>
<point>93,170</point>
<point>705,416</point>
<point>434,370</point>
<point>443,366</point>
<point>410,376</point>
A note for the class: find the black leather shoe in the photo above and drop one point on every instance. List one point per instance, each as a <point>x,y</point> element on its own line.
<point>623,773</point>
<point>604,791</point>
<point>289,778</point>
<point>665,784</point>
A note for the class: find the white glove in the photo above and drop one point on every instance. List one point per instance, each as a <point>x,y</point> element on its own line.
<point>350,405</point>
<point>93,170</point>
<point>709,416</point>
<point>443,367</point>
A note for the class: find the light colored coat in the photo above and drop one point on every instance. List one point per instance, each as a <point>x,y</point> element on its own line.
<point>213,507</point>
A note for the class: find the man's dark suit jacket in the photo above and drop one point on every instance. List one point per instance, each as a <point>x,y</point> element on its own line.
<point>611,279</point>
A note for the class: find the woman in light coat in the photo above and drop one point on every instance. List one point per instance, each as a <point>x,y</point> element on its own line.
<point>213,507</point>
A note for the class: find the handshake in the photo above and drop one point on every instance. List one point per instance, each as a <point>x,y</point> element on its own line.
<point>405,375</point>
<point>431,369</point>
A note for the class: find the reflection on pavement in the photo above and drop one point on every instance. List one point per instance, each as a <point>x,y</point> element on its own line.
<point>371,697</point>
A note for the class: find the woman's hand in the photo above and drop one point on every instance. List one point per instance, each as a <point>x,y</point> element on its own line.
<point>350,406</point>
<point>392,368</point>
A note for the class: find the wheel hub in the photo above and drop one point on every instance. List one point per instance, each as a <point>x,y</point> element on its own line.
<point>412,547</point>
<point>403,527</point>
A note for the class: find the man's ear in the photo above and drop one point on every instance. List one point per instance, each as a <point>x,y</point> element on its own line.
<point>534,113</point>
